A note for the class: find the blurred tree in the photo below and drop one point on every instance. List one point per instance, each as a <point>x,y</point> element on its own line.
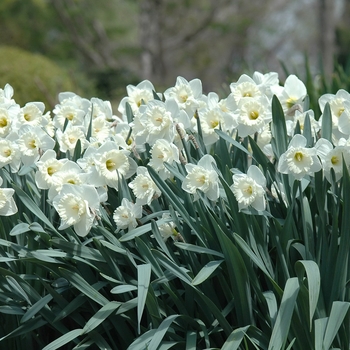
<point>327,27</point>
<point>33,76</point>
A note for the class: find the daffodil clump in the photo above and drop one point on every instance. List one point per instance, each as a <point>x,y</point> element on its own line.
<point>250,187</point>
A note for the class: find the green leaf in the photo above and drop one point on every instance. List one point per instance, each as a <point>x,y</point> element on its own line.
<point>31,205</point>
<point>78,250</point>
<point>320,328</point>
<point>35,308</point>
<point>235,339</point>
<point>19,229</point>
<point>82,285</point>
<point>198,249</point>
<point>173,268</point>
<point>17,289</point>
<point>336,317</point>
<point>278,127</point>
<point>100,316</point>
<point>26,328</point>
<point>162,329</point>
<point>63,340</point>
<point>280,331</point>
<point>326,128</point>
<point>313,281</point>
<point>143,280</point>
<point>206,272</point>
<point>123,289</point>
<point>233,142</point>
<point>129,113</point>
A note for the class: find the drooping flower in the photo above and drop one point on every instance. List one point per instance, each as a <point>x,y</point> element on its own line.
<point>143,187</point>
<point>299,160</point>
<point>126,215</point>
<point>77,206</point>
<point>291,94</point>
<point>249,189</point>
<point>202,177</point>
<point>168,229</point>
<point>7,204</point>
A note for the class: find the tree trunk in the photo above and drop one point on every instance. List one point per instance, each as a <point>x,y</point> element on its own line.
<point>327,37</point>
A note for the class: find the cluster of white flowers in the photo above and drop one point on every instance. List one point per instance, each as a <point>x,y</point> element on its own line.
<point>83,149</point>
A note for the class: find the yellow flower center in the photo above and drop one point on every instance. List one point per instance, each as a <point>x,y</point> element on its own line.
<point>247,94</point>
<point>334,160</point>
<point>253,115</point>
<point>249,190</point>
<point>298,156</point>
<point>31,144</point>
<point>70,116</point>
<point>110,165</point>
<point>7,153</point>
<point>291,102</point>
<point>340,111</point>
<point>214,123</point>
<point>50,170</point>
<point>3,122</point>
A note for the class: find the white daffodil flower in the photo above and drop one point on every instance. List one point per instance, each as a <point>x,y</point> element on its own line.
<point>265,81</point>
<point>33,141</point>
<point>244,88</point>
<point>7,204</point>
<point>249,189</point>
<point>336,104</point>
<point>6,95</point>
<point>155,121</point>
<point>100,109</point>
<point>299,160</point>
<point>332,158</point>
<point>168,229</point>
<point>187,94</point>
<point>68,138</point>
<point>137,95</point>
<point>126,215</point>
<point>32,114</point>
<point>7,118</point>
<point>110,163</point>
<point>300,117</point>
<point>143,187</point>
<point>163,152</point>
<point>10,153</point>
<point>77,206</point>
<point>100,129</point>
<point>48,165</point>
<point>210,120</point>
<point>291,94</point>
<point>253,115</point>
<point>202,177</point>
<point>70,173</point>
<point>72,99</point>
<point>70,112</point>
